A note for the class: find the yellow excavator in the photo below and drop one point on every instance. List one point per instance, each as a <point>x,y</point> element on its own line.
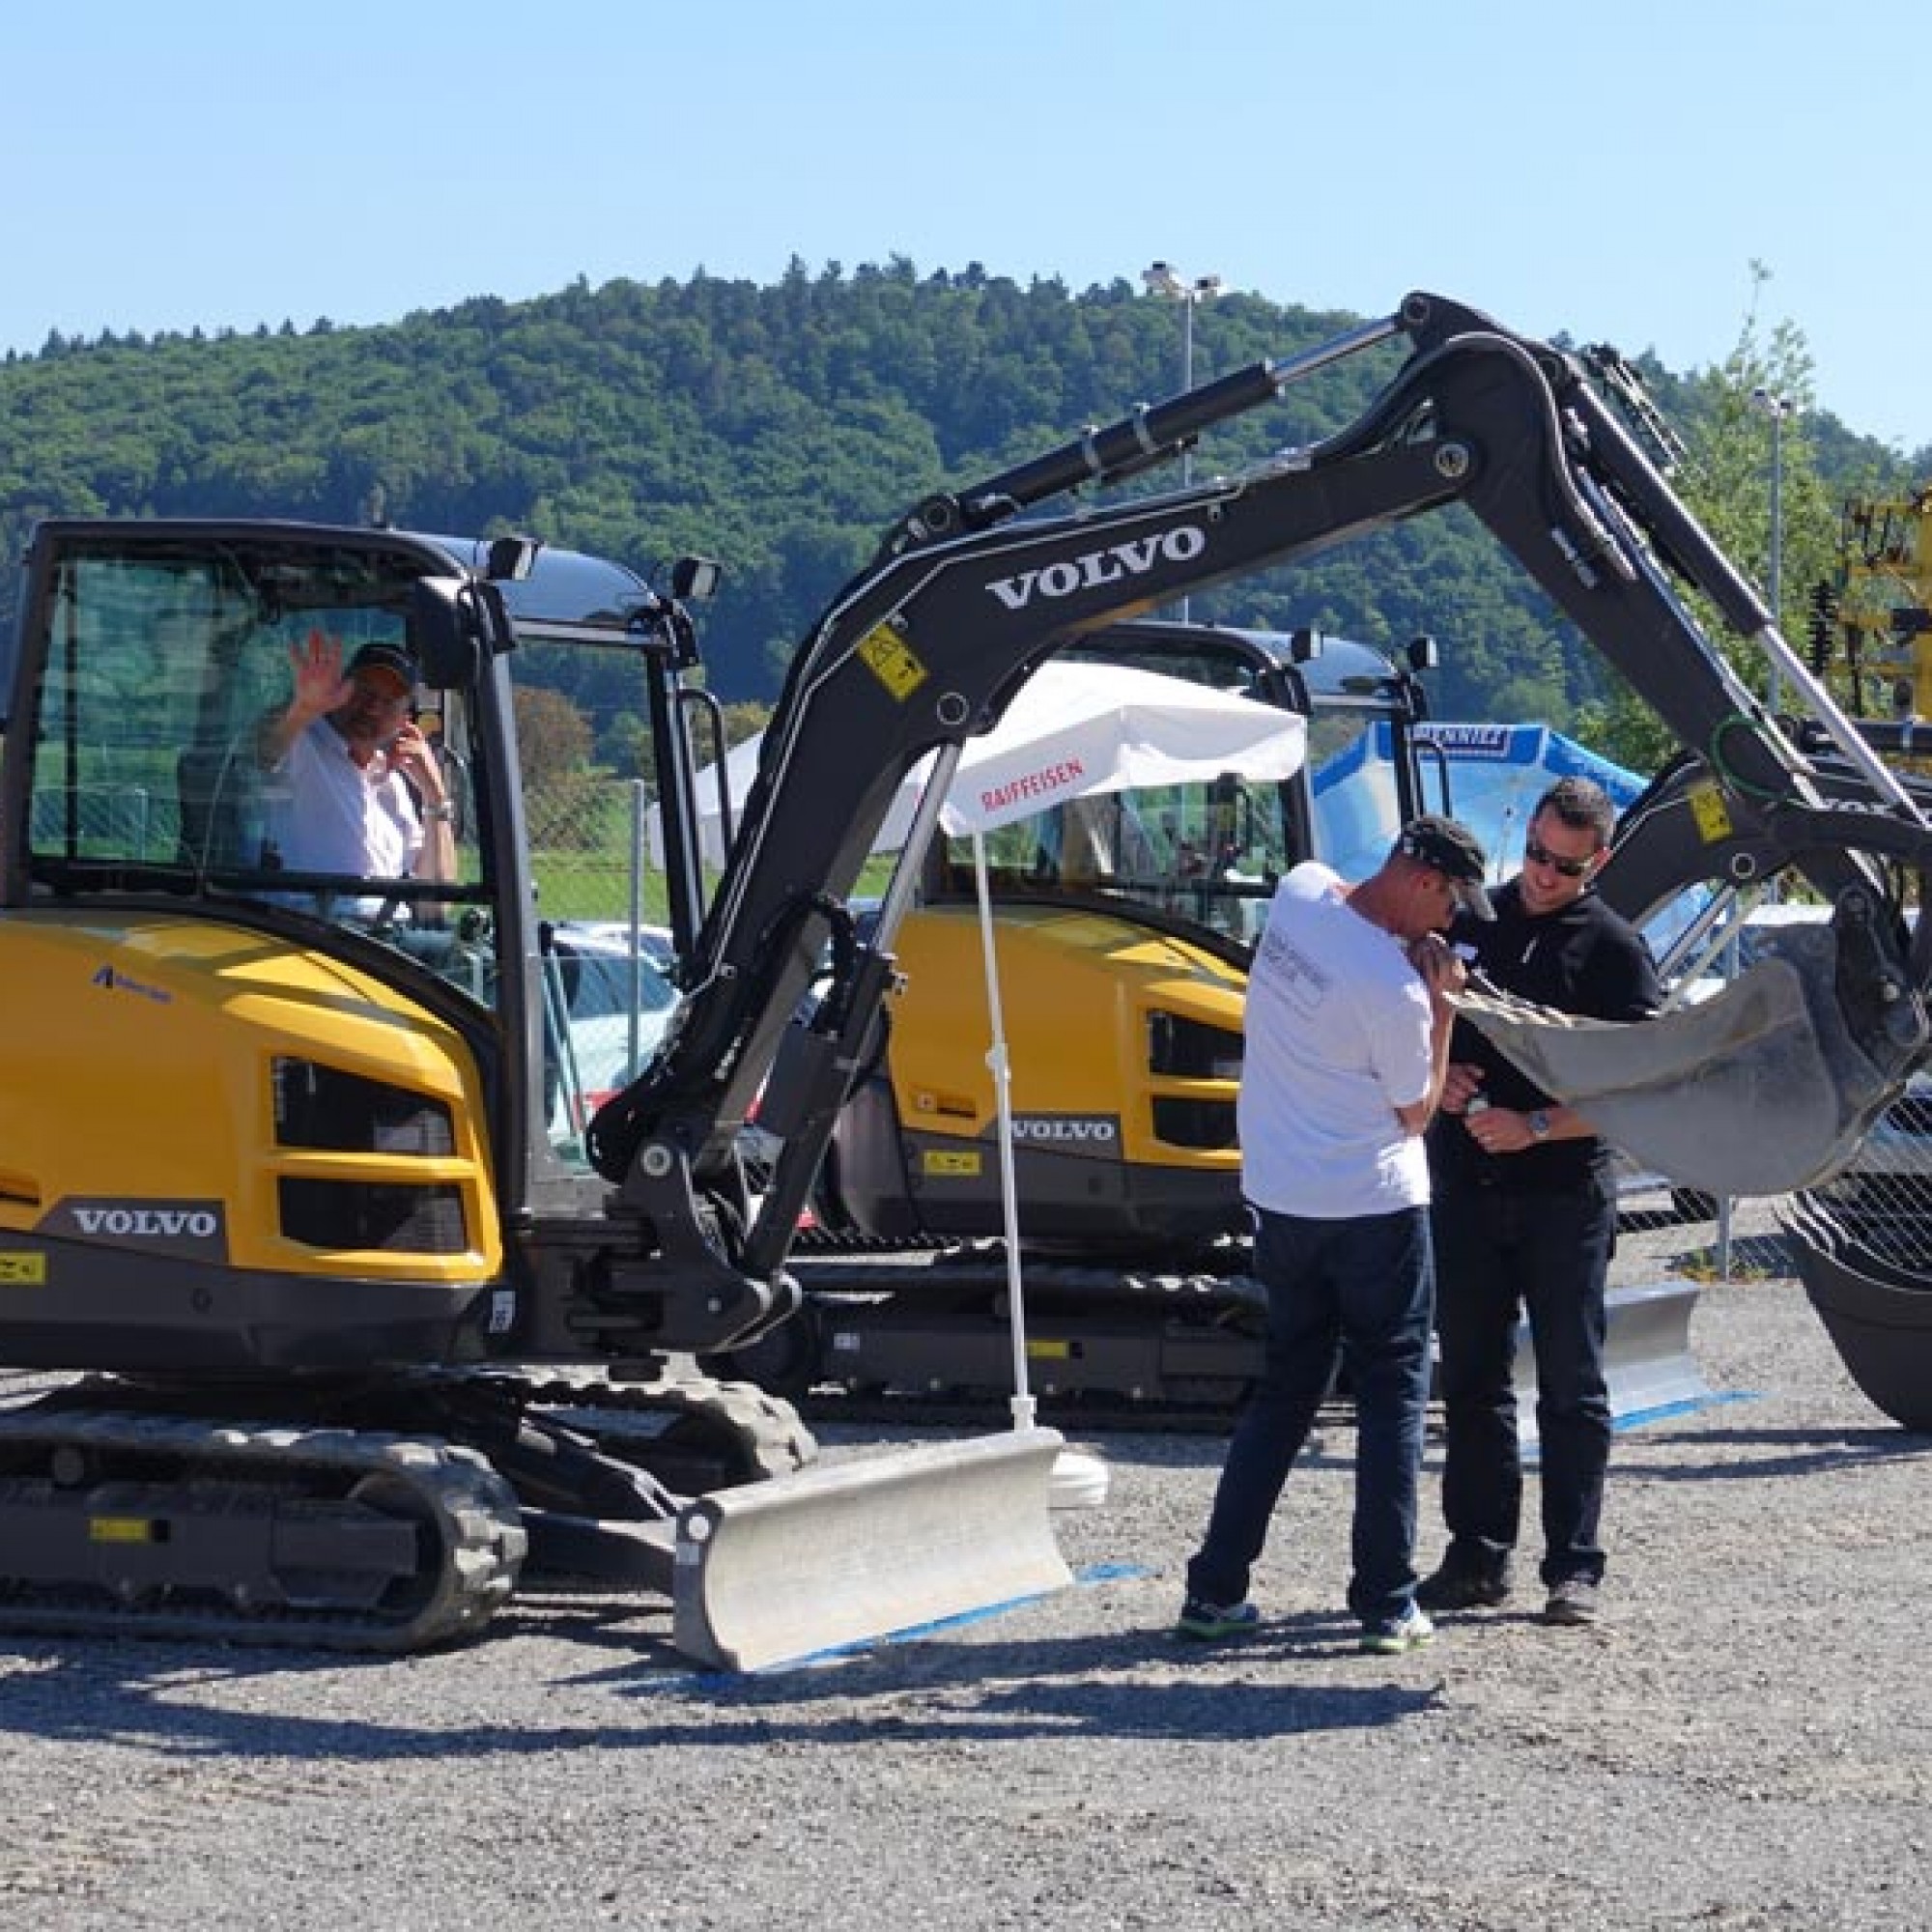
<point>342,1347</point>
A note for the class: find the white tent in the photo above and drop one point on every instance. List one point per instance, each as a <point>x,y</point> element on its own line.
<point>1074,730</point>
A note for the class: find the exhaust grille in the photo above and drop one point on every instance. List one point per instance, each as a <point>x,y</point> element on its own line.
<point>1184,1049</point>
<point>1195,1124</point>
<point>374,1215</point>
<point>325,1110</point>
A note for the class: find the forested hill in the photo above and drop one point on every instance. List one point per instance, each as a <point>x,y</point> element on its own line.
<point>779,429</point>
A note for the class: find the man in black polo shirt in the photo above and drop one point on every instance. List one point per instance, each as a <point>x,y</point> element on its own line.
<point>1524,1219</point>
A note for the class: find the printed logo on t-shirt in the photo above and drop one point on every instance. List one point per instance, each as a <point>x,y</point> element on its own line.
<point>1303,981</point>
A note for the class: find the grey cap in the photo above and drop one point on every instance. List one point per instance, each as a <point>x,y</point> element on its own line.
<point>1451,848</point>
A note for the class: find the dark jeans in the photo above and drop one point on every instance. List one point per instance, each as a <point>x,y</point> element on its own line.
<point>1355,1293</point>
<point>1501,1251</point>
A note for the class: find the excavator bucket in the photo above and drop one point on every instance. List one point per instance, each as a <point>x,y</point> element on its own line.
<point>776,1571</point>
<point>1758,1090</point>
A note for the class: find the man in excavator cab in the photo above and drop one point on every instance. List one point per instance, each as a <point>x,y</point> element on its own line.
<point>356,787</point>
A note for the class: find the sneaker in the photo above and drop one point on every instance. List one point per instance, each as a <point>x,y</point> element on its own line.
<point>1573,1600</point>
<point>1454,1589</point>
<point>1214,1623</point>
<point>1409,1631</point>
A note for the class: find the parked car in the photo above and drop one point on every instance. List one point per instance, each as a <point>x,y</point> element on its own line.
<point>1885,1191</point>
<point>593,985</point>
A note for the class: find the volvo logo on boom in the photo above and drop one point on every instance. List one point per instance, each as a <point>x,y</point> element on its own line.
<point>1094,569</point>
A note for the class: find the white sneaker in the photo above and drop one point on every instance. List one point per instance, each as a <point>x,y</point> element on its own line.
<point>1409,1631</point>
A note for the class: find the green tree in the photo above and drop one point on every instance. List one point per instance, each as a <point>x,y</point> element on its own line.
<point>1754,440</point>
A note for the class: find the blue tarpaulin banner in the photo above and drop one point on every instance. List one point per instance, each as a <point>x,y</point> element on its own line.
<point>1496,774</point>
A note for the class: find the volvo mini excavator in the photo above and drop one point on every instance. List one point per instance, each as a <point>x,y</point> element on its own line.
<point>355,1349</point>
<point>1768,1087</point>
<point>362,1340</point>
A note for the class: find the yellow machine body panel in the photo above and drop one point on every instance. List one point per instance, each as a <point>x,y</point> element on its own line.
<point>1115,1035</point>
<point>160,1089</point>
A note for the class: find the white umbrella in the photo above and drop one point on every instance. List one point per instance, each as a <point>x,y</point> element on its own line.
<point>1073,730</point>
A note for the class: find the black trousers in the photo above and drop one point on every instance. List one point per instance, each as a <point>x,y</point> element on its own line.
<point>1501,1253</point>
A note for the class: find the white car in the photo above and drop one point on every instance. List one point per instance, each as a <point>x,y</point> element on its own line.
<point>605,1012</point>
<point>1890,1177</point>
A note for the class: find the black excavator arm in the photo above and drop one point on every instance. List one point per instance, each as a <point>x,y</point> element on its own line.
<point>972,590</point>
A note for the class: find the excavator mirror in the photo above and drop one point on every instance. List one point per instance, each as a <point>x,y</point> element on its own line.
<point>1304,646</point>
<point>511,559</point>
<point>693,578</point>
<point>443,633</point>
<point>1423,653</point>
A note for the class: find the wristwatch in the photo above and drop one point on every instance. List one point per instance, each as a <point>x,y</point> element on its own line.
<point>1539,1125</point>
<point>444,813</point>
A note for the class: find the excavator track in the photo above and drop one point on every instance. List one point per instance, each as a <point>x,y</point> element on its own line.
<point>1107,1351</point>
<point>720,1432</point>
<point>885,1340</point>
<point>120,1523</point>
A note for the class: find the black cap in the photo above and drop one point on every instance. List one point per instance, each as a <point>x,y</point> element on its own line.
<point>381,656</point>
<point>1451,848</point>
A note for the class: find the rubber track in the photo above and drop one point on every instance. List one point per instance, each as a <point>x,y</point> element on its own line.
<point>480,1545</point>
<point>980,1269</point>
<point>761,1432</point>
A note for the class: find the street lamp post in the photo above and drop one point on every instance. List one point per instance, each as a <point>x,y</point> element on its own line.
<point>1778,407</point>
<point>1162,279</point>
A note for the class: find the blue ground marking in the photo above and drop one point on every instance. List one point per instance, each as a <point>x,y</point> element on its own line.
<point>1663,1411</point>
<point>1636,1418</point>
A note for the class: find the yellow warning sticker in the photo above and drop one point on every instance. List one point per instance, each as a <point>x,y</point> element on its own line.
<point>17,1270</point>
<point>1048,1351</point>
<point>887,655</point>
<point>122,1530</point>
<point>948,1163</point>
<point>1714,821</point>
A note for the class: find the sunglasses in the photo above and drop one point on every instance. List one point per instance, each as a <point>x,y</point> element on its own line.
<point>1541,855</point>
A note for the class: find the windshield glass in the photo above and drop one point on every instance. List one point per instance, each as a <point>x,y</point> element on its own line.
<point>155,765</point>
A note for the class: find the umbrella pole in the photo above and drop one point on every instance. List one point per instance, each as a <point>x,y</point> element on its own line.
<point>1003,1102</point>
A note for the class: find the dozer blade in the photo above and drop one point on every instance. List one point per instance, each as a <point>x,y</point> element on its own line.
<point>1648,1365</point>
<point>772,1572</point>
<point>1758,1090</point>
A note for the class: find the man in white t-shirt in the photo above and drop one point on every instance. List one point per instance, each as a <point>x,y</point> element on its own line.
<point>361,792</point>
<point>1347,1041</point>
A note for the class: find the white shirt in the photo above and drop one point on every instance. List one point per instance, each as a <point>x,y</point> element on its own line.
<point>330,814</point>
<point>1338,1037</point>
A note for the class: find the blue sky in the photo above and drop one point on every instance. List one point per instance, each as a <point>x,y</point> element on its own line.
<point>1612,172</point>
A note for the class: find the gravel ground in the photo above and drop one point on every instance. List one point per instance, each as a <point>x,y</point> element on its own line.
<point>1745,1742</point>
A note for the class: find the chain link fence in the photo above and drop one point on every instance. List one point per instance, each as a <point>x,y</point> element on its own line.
<point>590,854</point>
<point>1882,1202</point>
